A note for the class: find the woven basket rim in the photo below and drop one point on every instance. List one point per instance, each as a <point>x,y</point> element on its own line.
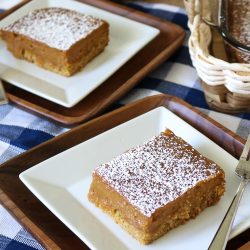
<point>226,85</point>
<point>212,70</point>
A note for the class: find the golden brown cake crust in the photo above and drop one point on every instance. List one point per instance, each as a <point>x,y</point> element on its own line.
<point>57,39</point>
<point>157,186</point>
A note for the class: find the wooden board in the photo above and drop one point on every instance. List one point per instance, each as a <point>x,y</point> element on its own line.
<point>47,228</point>
<point>146,60</point>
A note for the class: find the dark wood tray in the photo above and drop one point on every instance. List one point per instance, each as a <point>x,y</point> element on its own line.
<point>146,60</point>
<point>47,228</point>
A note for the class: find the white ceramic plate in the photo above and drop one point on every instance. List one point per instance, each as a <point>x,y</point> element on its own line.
<point>127,37</point>
<point>62,183</point>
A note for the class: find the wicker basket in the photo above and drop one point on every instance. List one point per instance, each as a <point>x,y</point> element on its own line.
<point>226,85</point>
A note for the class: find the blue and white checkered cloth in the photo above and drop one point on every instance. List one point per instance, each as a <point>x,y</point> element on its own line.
<point>20,131</point>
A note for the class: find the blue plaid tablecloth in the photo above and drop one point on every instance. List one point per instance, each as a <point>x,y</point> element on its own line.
<point>20,130</point>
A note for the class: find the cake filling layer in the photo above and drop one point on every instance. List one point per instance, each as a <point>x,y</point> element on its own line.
<point>153,174</point>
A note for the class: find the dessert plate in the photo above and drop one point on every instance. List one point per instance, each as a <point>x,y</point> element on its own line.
<point>62,182</point>
<point>127,37</point>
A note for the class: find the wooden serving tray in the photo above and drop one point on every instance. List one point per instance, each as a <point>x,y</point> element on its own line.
<point>146,60</point>
<point>46,227</point>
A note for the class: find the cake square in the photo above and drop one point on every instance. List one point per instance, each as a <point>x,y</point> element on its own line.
<point>157,186</point>
<point>57,39</point>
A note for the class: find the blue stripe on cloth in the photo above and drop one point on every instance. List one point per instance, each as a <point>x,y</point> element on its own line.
<point>193,96</point>
<point>175,17</point>
<point>24,237</point>
<point>26,139</point>
<point>1,10</point>
<point>181,20</point>
<point>181,56</point>
<point>9,133</point>
<point>244,116</point>
<point>30,138</point>
<point>4,241</point>
<point>10,244</point>
<point>15,245</point>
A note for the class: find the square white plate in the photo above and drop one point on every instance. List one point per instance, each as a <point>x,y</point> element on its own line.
<point>62,183</point>
<point>127,37</point>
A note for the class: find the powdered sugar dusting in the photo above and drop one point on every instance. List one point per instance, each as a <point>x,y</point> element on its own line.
<point>153,174</point>
<point>56,27</point>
